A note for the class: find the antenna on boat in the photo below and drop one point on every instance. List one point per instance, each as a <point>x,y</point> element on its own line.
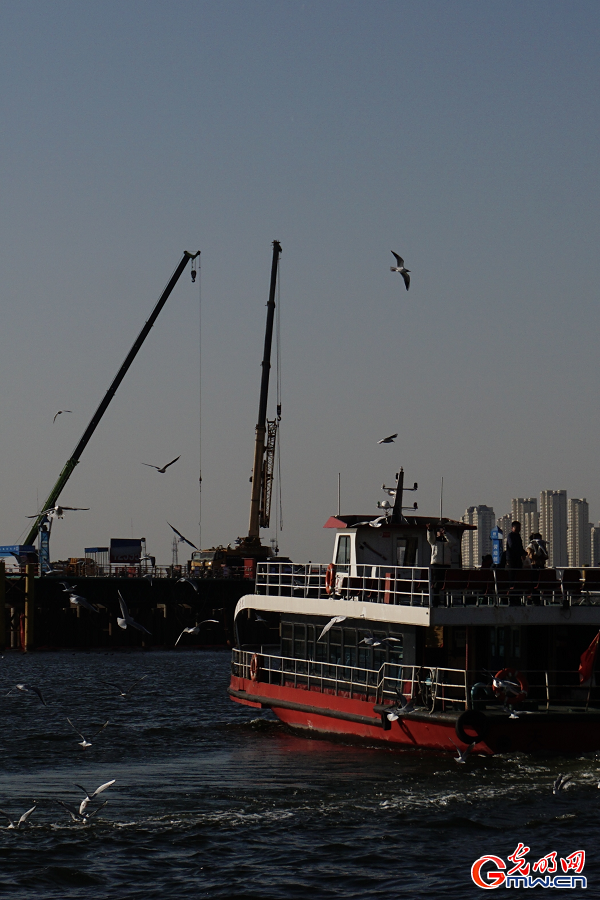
<point>397,493</point>
<point>441,498</point>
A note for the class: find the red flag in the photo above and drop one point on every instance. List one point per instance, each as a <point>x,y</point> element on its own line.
<point>586,663</point>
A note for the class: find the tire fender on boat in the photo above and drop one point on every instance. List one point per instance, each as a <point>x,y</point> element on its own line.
<point>330,578</point>
<point>476,722</point>
<point>254,668</point>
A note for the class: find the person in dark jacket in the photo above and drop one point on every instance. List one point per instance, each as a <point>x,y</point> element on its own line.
<point>515,551</point>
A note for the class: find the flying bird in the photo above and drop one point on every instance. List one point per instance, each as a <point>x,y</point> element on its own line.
<point>83,742</point>
<point>127,619</point>
<point>76,815</point>
<point>401,708</point>
<point>195,629</point>
<point>462,754</point>
<point>89,797</point>
<point>182,539</point>
<point>561,783</point>
<point>21,821</point>
<point>195,586</point>
<point>164,468</point>
<point>76,600</point>
<point>57,512</point>
<point>27,688</point>
<point>401,269</point>
<point>123,693</point>
<point>60,412</point>
<point>389,439</point>
<point>335,621</point>
<point>371,641</point>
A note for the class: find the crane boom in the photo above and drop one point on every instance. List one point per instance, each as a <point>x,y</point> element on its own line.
<point>75,456</point>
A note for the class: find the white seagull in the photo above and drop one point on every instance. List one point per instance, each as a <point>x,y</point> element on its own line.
<point>76,600</point>
<point>195,586</point>
<point>162,469</point>
<point>389,439</point>
<point>401,269</point>
<point>462,754</point>
<point>335,621</point>
<point>371,641</point>
<point>83,742</point>
<point>27,688</point>
<point>127,619</point>
<point>76,815</point>
<point>561,783</point>
<point>60,412</point>
<point>57,512</point>
<point>122,693</point>
<point>195,629</point>
<point>21,821</point>
<point>402,707</point>
<point>182,539</point>
<point>89,797</point>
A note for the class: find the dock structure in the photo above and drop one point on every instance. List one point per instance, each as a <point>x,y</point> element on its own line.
<point>38,614</point>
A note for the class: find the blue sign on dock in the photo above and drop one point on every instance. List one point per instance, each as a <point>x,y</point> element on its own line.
<point>497,538</point>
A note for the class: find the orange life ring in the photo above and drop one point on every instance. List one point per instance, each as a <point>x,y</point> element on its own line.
<point>330,578</point>
<point>514,676</point>
<point>254,668</point>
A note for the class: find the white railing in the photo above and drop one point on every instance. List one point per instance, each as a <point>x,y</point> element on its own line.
<point>429,688</point>
<point>422,586</point>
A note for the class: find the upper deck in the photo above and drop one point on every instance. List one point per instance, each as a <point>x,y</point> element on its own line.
<point>418,595</point>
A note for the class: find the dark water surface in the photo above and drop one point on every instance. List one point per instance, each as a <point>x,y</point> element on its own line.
<point>213,799</point>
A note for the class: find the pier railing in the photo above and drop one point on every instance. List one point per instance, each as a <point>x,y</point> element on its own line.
<point>422,586</point>
<point>423,687</point>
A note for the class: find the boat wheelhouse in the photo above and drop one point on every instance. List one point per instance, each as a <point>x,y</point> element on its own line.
<point>380,645</point>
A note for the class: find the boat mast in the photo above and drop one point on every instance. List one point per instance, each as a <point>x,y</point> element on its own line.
<point>258,474</point>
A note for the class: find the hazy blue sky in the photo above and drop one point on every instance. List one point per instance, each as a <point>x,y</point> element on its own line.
<point>463,135</point>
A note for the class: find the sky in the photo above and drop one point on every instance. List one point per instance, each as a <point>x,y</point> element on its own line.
<point>462,135</point>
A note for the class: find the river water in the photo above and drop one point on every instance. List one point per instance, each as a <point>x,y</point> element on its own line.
<point>217,800</point>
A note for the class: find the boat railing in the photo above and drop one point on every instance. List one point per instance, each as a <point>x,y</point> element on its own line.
<point>432,688</point>
<point>422,586</point>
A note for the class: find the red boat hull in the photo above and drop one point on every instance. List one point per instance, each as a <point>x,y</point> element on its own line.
<point>338,715</point>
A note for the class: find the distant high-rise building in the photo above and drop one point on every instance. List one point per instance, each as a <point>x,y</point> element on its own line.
<point>476,544</point>
<point>525,511</point>
<point>553,526</point>
<point>595,542</point>
<point>504,524</point>
<point>579,533</point>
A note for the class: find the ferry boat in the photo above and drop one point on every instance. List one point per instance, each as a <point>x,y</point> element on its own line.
<point>380,645</point>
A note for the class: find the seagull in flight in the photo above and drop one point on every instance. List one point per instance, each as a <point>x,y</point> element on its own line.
<point>122,693</point>
<point>195,586</point>
<point>462,754</point>
<point>182,539</point>
<point>57,512</point>
<point>127,619</point>
<point>83,742</point>
<point>371,641</point>
<point>389,439</point>
<point>27,688</point>
<point>335,621</point>
<point>195,629</point>
<point>21,821</point>
<point>60,412</point>
<point>76,600</point>
<point>401,269</point>
<point>164,468</point>
<point>89,797</point>
<point>561,783</point>
<point>76,815</point>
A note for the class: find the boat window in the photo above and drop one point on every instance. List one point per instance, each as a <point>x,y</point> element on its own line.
<point>349,647</point>
<point>516,643</point>
<point>286,639</point>
<point>406,551</point>
<point>400,551</point>
<point>300,641</point>
<point>342,556</point>
<point>335,645</point>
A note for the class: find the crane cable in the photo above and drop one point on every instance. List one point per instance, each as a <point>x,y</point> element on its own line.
<point>278,501</point>
<point>199,279</point>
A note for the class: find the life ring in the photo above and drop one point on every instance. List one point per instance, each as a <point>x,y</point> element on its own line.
<point>254,668</point>
<point>476,722</point>
<point>515,677</point>
<point>330,579</point>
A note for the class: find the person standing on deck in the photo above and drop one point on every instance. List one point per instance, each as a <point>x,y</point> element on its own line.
<point>442,544</point>
<point>515,552</point>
